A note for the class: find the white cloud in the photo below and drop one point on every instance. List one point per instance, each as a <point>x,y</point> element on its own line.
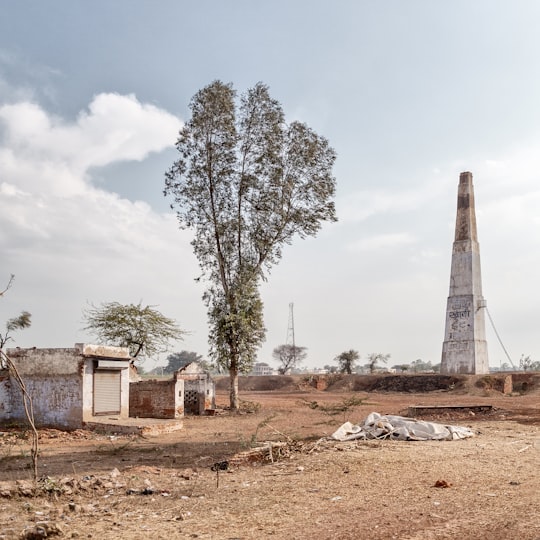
<point>69,242</point>
<point>41,148</point>
<point>44,167</point>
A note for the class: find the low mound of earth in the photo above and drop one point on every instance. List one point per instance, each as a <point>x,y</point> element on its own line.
<point>268,383</point>
<point>409,383</point>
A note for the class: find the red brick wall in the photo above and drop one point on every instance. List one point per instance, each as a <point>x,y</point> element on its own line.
<point>156,399</point>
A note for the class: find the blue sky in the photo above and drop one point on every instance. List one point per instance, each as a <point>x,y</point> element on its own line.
<point>410,94</point>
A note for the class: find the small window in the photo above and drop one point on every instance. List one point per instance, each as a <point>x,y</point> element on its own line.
<point>179,393</point>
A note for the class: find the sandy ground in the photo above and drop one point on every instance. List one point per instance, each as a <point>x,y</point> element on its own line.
<point>106,486</point>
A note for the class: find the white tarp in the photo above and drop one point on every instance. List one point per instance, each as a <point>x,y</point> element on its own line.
<point>400,428</point>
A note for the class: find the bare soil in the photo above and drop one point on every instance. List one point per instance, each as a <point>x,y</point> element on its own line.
<point>110,486</point>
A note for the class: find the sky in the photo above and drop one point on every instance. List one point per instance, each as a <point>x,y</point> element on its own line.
<point>409,94</point>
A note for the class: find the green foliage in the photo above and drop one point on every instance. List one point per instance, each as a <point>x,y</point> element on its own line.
<point>419,366</point>
<point>144,330</point>
<point>346,360</point>
<point>526,363</point>
<point>20,322</point>
<point>16,323</point>
<point>374,359</point>
<point>246,183</point>
<point>401,367</point>
<point>250,407</point>
<point>264,423</point>
<point>289,356</point>
<point>175,361</point>
<point>237,328</point>
<point>346,405</point>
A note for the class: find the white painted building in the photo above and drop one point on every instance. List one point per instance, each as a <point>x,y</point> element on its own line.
<point>69,386</point>
<point>262,368</point>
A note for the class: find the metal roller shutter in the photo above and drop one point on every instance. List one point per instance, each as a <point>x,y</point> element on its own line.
<point>107,391</point>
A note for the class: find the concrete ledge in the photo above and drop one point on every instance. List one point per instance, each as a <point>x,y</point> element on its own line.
<point>418,410</point>
<point>136,426</point>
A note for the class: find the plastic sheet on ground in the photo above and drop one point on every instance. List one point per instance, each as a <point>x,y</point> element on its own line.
<point>400,428</point>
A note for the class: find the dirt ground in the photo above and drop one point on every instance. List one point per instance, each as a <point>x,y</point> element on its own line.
<point>107,486</point>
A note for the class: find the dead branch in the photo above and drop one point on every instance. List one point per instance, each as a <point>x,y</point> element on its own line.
<point>10,282</point>
<point>28,411</point>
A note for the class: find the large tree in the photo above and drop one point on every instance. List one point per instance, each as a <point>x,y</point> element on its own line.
<point>289,357</point>
<point>178,360</point>
<point>143,329</point>
<point>346,360</point>
<point>246,182</point>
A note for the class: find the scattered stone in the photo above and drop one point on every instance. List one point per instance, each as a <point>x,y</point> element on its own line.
<point>442,484</point>
<point>6,489</point>
<point>73,507</point>
<point>42,530</point>
<point>25,488</point>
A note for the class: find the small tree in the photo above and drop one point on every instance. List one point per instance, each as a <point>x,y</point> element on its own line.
<point>289,357</point>
<point>401,367</point>
<point>18,323</point>
<point>374,359</point>
<point>144,330</point>
<point>526,363</point>
<point>176,361</point>
<point>13,324</point>
<point>419,365</point>
<point>346,361</point>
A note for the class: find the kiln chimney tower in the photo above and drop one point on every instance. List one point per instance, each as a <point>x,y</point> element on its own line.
<point>465,346</point>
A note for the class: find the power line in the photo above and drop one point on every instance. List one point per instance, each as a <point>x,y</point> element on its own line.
<point>498,337</point>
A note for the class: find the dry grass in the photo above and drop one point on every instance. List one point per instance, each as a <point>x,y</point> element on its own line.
<point>165,487</point>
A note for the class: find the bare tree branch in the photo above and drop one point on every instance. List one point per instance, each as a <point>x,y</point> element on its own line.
<point>10,282</point>
<point>28,410</point>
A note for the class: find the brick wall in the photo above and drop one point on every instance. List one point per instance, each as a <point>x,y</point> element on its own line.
<point>200,389</point>
<point>5,395</point>
<point>156,399</point>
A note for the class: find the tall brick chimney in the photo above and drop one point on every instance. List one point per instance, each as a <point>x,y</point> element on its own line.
<point>465,347</point>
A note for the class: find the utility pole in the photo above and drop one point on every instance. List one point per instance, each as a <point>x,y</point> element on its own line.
<point>289,340</point>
